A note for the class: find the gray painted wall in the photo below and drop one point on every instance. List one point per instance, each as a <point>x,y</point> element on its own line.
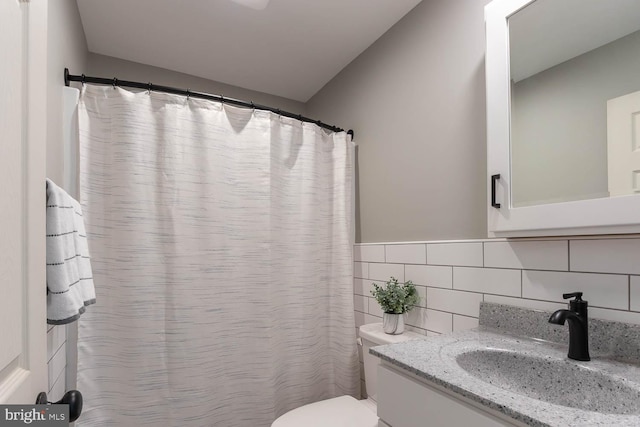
<point>559,124</point>
<point>106,66</point>
<point>416,100</point>
<point>67,47</point>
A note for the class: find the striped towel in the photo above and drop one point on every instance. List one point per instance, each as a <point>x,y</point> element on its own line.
<point>69,278</point>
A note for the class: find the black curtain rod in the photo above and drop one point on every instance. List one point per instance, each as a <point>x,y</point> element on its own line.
<point>167,89</point>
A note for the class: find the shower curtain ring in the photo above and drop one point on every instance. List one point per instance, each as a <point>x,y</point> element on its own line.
<point>188,94</point>
<point>115,82</point>
<point>222,99</point>
<point>83,79</point>
<point>149,87</point>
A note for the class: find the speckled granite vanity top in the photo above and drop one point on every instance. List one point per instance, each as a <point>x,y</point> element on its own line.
<point>516,363</point>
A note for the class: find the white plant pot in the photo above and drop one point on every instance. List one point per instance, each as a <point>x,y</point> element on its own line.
<point>393,324</point>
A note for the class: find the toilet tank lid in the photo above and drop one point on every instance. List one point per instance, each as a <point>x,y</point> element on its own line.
<point>373,332</point>
<point>339,411</point>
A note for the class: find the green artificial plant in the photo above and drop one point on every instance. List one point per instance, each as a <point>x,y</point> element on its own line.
<point>396,298</point>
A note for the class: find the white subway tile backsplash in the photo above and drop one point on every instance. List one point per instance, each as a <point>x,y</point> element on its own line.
<point>383,272</point>
<point>361,270</point>
<point>488,280</point>
<point>363,287</point>
<point>463,254</point>
<point>369,253</point>
<point>525,303</point>
<point>57,365</point>
<point>360,303</point>
<point>417,317</point>
<point>416,330</point>
<point>430,275</point>
<point>359,319</point>
<point>634,293</point>
<point>368,286</point>
<point>605,256</point>
<point>371,319</point>
<point>56,360</point>
<point>615,315</point>
<point>406,254</point>
<point>439,321</point>
<point>462,323</point>
<point>422,293</point>
<point>601,290</point>
<point>459,302</point>
<point>432,320</point>
<point>57,390</point>
<point>533,255</point>
<point>374,307</point>
<point>56,338</point>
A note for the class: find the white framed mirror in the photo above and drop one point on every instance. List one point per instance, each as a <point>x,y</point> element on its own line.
<point>563,116</point>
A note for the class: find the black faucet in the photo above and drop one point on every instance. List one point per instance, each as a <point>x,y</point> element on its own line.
<point>578,326</point>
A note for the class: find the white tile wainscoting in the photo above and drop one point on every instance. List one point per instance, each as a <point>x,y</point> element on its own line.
<point>56,361</point>
<point>453,277</point>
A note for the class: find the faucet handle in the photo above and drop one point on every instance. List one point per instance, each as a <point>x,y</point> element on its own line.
<point>577,305</point>
<point>576,295</point>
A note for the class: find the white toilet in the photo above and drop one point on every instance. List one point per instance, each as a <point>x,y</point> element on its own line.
<point>345,411</point>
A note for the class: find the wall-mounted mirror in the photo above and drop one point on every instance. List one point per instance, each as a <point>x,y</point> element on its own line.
<point>575,100</point>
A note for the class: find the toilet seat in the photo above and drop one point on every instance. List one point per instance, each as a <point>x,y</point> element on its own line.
<point>343,411</point>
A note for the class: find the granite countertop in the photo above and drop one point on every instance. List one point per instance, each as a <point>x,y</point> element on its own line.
<point>614,367</point>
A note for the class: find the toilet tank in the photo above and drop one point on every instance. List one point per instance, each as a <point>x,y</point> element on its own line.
<point>373,335</point>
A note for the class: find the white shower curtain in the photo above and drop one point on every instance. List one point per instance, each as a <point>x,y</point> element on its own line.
<point>221,243</point>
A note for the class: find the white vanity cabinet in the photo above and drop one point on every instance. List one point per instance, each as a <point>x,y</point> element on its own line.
<point>406,401</point>
<point>552,84</point>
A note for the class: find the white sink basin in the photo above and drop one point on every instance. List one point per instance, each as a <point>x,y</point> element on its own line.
<point>557,381</point>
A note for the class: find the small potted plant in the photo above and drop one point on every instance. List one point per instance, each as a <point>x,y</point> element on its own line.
<point>395,299</point>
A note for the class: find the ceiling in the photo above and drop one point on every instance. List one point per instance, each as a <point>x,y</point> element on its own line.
<point>290,48</point>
